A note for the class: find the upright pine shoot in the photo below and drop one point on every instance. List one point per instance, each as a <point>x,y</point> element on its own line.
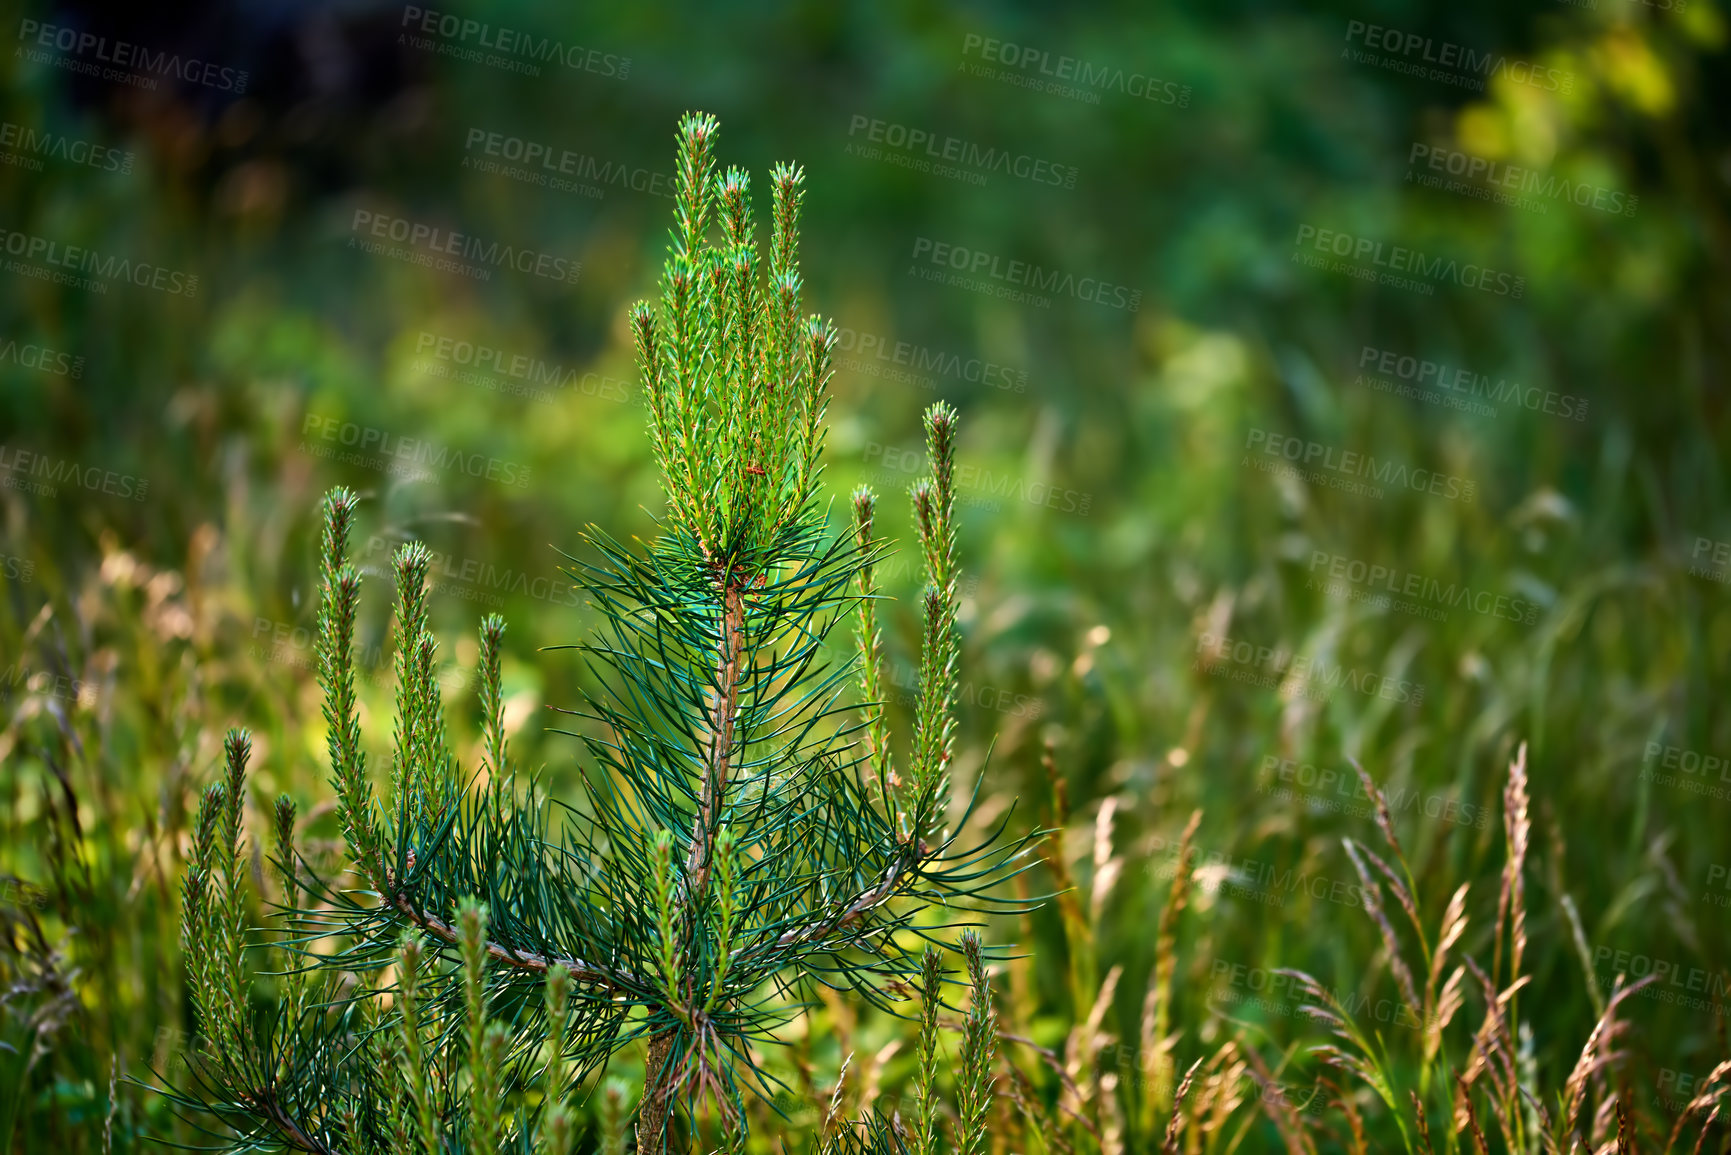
<point>926,1085</point>
<point>979,1049</point>
<point>556,1123</point>
<point>412,1053</point>
<point>339,598</point>
<point>492,695</point>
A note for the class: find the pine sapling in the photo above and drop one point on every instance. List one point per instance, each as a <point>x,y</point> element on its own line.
<point>744,830</point>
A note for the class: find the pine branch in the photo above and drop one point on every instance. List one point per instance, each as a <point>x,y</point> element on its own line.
<point>520,958</point>
<point>288,1127</point>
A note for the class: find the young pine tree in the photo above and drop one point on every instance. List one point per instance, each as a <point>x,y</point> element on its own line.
<point>745,832</point>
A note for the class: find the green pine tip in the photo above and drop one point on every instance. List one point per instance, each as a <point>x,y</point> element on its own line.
<point>698,127</point>
<point>285,820</point>
<point>237,746</point>
<point>339,516</point>
<point>412,557</point>
<point>941,434</point>
<point>972,950</point>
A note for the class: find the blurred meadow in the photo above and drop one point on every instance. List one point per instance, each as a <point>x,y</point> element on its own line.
<point>1323,400</point>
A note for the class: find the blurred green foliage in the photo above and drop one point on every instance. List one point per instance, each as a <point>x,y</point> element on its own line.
<point>1118,519</point>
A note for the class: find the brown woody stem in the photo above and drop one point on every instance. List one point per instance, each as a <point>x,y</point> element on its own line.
<point>722,710</point>
<point>658,1087</point>
<point>581,971</point>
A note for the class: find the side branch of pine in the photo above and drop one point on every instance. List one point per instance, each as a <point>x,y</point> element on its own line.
<point>862,904</point>
<point>291,1131</point>
<point>581,971</point>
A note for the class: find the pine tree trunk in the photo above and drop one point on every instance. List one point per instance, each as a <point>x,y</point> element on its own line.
<point>723,707</point>
<point>658,1084</point>
<point>659,1080</point>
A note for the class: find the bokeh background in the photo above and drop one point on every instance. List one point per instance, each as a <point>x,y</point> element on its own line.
<point>1152,588</point>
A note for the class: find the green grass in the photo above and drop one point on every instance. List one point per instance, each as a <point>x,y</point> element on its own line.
<point>143,629</point>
